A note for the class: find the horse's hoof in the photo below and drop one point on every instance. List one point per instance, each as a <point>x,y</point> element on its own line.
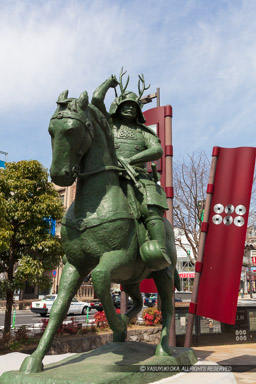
<point>31,365</point>
<point>160,351</point>
<point>119,336</point>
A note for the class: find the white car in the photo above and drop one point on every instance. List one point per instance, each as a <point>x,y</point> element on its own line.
<point>44,306</point>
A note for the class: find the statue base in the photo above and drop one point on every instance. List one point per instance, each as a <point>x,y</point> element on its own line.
<point>112,363</point>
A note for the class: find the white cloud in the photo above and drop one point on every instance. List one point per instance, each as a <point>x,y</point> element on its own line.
<point>75,44</point>
<point>201,55</point>
<point>214,78</point>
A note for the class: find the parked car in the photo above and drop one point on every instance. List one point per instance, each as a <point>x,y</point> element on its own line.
<point>96,305</point>
<point>151,300</point>
<point>43,307</point>
<point>117,301</point>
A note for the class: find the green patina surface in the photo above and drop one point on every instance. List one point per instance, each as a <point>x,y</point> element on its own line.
<point>115,228</point>
<point>112,363</point>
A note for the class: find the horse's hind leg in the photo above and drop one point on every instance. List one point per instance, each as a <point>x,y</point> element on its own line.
<point>164,284</point>
<point>110,263</point>
<point>133,290</point>
<point>70,281</point>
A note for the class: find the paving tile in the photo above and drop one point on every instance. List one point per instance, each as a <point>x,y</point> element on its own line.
<point>237,354</point>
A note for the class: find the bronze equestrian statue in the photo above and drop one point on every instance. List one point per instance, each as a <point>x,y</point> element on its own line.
<point>115,228</point>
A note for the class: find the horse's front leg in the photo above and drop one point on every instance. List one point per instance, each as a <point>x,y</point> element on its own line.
<point>110,263</point>
<point>70,281</point>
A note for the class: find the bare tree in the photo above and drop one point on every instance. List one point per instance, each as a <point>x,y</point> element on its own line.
<point>191,175</point>
<point>190,183</point>
<point>252,213</point>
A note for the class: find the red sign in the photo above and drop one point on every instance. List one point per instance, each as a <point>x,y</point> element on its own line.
<point>187,275</point>
<point>224,246</point>
<point>254,260</point>
<point>155,119</point>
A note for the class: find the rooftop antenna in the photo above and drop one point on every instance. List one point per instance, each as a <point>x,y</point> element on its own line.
<point>5,155</point>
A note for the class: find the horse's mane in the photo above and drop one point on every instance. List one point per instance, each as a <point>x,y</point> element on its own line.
<point>98,118</point>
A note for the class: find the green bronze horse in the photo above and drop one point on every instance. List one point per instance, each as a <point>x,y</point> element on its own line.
<point>101,232</point>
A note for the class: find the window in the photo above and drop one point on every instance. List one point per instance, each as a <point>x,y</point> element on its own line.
<point>62,198</point>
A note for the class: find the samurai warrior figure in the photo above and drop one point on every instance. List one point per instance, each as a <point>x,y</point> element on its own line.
<point>136,144</point>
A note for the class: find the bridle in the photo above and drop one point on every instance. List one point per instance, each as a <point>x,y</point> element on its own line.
<point>68,114</point>
<point>87,128</point>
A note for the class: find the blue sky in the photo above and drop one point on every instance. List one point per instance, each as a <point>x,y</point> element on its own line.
<point>202,55</point>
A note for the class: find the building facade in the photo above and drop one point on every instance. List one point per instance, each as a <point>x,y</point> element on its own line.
<point>248,277</point>
<point>185,262</point>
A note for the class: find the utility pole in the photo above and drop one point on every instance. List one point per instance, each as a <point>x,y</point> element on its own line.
<point>250,273</point>
<point>148,99</point>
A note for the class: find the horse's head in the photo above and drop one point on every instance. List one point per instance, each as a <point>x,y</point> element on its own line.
<point>72,134</point>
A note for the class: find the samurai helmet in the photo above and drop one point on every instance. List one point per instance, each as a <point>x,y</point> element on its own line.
<point>129,96</point>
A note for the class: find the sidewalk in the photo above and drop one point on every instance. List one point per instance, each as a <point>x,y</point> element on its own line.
<point>235,354</point>
<point>238,354</point>
<point>247,297</point>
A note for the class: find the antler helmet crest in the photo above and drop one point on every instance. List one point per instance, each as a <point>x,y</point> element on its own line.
<point>129,96</point>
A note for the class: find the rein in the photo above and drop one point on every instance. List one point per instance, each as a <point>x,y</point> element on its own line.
<point>99,170</point>
<point>127,168</point>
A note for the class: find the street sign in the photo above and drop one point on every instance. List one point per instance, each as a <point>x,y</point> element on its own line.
<point>54,273</point>
<point>187,275</point>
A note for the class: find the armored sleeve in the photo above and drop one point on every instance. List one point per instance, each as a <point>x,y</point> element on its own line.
<point>152,152</point>
<point>99,96</point>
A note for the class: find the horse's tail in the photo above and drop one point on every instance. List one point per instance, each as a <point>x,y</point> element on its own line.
<point>176,279</point>
<point>175,276</point>
<point>172,254</point>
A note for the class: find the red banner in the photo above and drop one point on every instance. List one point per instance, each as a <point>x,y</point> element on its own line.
<point>224,246</point>
<point>148,286</point>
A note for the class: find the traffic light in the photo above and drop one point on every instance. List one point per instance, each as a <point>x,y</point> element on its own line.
<point>201,206</point>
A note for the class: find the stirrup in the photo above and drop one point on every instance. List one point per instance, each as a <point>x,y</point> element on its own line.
<point>155,257</point>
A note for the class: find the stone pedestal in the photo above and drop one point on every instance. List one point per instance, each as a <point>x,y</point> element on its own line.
<point>112,363</point>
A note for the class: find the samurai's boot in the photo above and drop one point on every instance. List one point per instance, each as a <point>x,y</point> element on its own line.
<point>153,252</point>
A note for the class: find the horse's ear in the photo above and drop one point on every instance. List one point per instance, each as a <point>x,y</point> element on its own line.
<point>63,96</point>
<point>83,100</point>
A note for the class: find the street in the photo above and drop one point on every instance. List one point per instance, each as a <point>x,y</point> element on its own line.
<point>26,317</point>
